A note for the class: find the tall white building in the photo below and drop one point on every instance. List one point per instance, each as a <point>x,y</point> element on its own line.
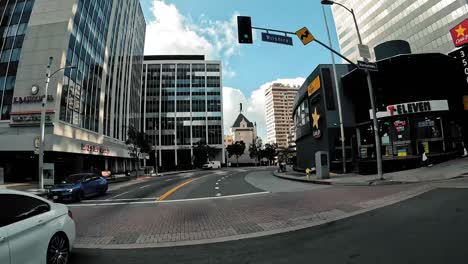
<point>245,131</point>
<point>90,107</point>
<point>279,100</point>
<point>425,24</point>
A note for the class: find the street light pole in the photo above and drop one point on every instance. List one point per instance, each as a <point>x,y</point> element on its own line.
<point>371,94</point>
<point>42,124</point>
<point>338,95</point>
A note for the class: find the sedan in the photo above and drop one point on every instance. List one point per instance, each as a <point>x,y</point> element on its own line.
<point>34,230</point>
<point>79,186</point>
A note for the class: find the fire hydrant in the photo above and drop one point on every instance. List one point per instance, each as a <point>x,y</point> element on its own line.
<point>308,171</point>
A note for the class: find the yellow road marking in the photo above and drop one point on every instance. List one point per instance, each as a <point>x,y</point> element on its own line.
<point>171,191</point>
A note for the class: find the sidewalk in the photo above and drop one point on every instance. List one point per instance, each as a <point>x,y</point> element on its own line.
<point>443,171</point>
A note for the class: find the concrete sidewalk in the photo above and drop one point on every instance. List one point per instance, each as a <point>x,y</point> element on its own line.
<point>443,171</point>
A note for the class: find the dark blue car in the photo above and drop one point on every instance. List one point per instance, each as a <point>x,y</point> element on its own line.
<point>77,187</point>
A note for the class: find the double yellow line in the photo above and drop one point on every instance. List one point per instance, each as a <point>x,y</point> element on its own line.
<point>171,191</point>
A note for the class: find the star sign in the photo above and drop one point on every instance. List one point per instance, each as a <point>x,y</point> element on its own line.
<point>460,31</point>
<point>316,118</point>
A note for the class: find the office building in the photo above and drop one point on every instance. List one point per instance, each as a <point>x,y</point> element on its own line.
<point>425,24</point>
<point>182,106</point>
<point>279,99</point>
<point>89,107</point>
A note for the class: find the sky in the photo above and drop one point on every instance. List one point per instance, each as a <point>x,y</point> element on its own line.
<point>209,27</point>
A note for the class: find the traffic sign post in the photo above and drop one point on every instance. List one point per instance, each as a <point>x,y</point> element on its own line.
<point>305,36</point>
<point>365,65</point>
<point>267,37</point>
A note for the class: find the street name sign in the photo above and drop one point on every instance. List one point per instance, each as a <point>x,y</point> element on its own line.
<point>305,36</point>
<point>364,65</point>
<point>267,37</point>
<point>364,51</point>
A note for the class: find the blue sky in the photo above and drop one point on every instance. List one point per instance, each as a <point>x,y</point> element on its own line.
<point>209,27</point>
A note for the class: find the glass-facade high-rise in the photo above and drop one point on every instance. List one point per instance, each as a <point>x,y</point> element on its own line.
<point>182,106</point>
<point>425,24</point>
<point>89,107</point>
<point>15,16</point>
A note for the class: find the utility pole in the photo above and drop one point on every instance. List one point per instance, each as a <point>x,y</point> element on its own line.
<point>42,126</point>
<point>338,95</point>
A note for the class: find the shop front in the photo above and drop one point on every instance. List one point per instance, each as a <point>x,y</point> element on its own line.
<point>408,130</point>
<point>420,110</point>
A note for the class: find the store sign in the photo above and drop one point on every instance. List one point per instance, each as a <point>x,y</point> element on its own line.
<point>88,148</point>
<point>413,108</point>
<point>460,33</point>
<point>316,133</point>
<point>314,86</point>
<point>461,55</point>
<point>32,99</point>
<point>30,118</point>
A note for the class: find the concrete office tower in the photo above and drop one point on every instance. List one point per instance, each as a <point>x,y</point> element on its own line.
<point>279,100</point>
<point>182,107</point>
<point>425,24</point>
<point>90,107</point>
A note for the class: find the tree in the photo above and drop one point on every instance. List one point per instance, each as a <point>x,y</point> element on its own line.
<point>255,150</point>
<point>269,152</point>
<point>202,153</point>
<point>237,149</point>
<point>137,144</point>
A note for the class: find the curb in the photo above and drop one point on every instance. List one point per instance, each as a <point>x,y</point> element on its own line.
<point>370,183</point>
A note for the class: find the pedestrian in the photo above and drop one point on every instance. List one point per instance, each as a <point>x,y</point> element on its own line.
<point>308,171</point>
<point>422,152</point>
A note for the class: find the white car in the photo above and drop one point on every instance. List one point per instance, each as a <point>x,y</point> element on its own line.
<point>34,230</point>
<point>212,165</point>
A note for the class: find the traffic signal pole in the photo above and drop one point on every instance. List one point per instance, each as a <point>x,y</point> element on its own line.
<point>378,150</point>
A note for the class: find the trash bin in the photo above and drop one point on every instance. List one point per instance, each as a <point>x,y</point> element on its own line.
<point>322,165</point>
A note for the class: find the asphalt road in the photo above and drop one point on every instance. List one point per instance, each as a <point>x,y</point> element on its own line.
<point>431,228</point>
<point>189,185</point>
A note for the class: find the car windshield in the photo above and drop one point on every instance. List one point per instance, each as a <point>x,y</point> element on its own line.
<point>75,178</point>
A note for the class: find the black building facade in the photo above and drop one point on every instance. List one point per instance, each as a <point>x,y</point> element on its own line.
<point>317,121</point>
<point>420,100</point>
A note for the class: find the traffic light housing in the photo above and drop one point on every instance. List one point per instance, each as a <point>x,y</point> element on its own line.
<point>244,29</point>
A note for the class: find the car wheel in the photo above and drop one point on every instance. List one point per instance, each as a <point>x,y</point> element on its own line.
<point>79,196</point>
<point>58,251</point>
<point>103,190</point>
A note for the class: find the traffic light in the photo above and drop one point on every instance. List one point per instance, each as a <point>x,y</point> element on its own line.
<point>244,28</point>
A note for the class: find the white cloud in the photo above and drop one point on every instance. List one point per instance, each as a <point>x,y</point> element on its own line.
<point>254,105</point>
<point>172,33</point>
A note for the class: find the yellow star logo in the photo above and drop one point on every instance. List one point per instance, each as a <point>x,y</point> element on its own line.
<point>316,118</point>
<point>460,31</point>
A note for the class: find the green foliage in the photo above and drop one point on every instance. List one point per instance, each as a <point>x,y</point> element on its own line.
<point>237,149</point>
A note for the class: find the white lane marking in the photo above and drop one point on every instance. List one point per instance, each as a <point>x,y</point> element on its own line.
<point>218,195</point>
<point>120,200</point>
<point>169,201</point>
<point>216,188</point>
<point>217,183</point>
<point>168,180</point>
<point>118,195</point>
<point>142,187</point>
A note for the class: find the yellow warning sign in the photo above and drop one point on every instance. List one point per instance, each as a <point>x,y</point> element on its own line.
<point>305,36</point>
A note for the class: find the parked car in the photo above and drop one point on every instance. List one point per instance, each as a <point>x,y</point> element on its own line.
<point>77,187</point>
<point>212,165</point>
<point>34,230</point>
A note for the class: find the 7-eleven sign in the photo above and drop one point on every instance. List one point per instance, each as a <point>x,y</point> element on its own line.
<point>460,33</point>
